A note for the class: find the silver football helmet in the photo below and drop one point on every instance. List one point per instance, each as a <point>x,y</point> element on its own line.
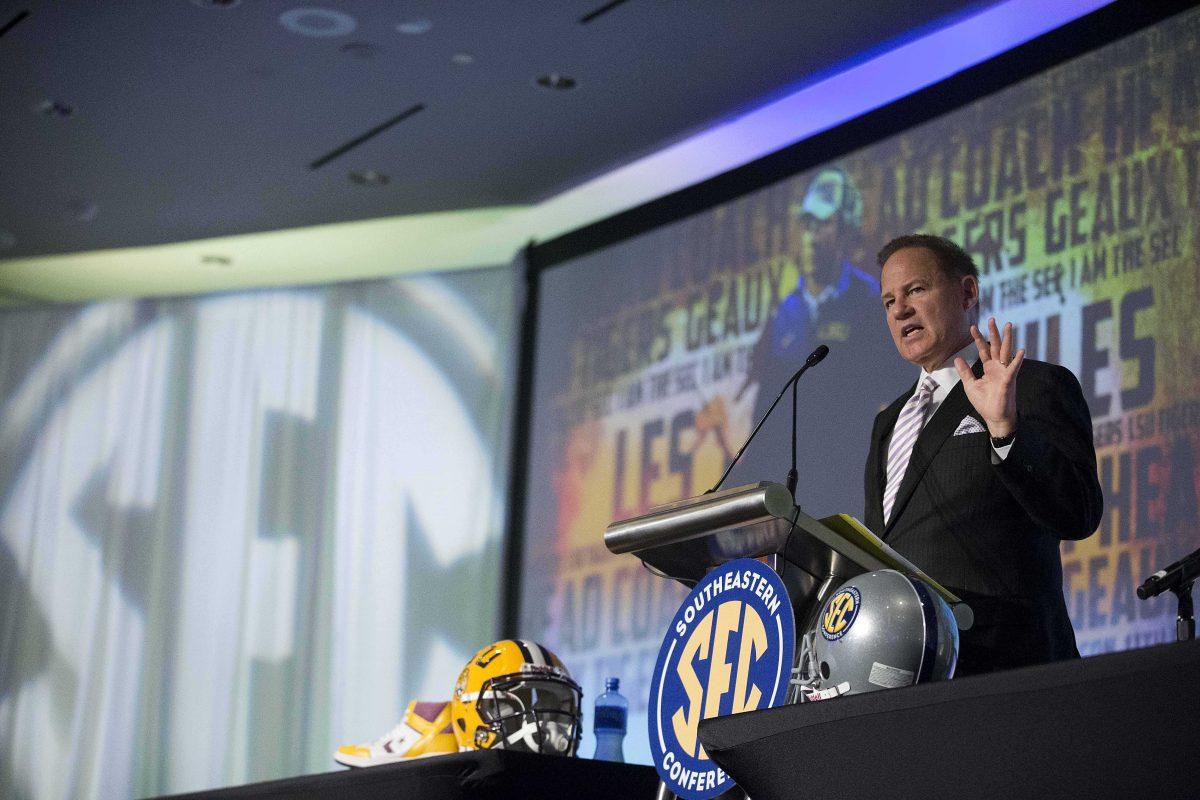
<point>880,630</point>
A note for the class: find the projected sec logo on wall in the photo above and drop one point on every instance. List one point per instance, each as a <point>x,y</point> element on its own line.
<point>729,649</point>
<point>296,479</point>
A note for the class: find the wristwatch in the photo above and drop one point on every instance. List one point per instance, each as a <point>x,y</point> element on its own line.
<point>1003,441</point>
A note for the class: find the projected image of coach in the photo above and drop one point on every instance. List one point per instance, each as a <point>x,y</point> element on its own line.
<point>834,302</point>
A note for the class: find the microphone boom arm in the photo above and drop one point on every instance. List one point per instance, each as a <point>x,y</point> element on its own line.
<point>813,359</point>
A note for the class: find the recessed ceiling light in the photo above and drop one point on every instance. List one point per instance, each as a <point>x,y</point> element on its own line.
<point>216,260</point>
<point>462,59</point>
<point>318,22</point>
<point>557,81</point>
<point>369,177</point>
<point>415,27</point>
<point>216,3</point>
<point>54,108</point>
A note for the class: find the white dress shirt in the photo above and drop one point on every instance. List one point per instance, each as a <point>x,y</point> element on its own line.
<point>947,378</point>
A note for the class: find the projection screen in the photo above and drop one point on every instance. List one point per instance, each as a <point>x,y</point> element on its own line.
<point>1075,191</point>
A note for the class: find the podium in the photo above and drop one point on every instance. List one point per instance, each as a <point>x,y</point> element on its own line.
<point>685,539</point>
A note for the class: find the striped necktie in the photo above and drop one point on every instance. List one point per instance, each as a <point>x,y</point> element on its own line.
<point>904,437</point>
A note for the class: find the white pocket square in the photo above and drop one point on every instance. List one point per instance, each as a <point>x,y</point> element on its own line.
<point>968,425</point>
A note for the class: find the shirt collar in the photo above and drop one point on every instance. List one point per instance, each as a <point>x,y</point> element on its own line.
<point>947,375</point>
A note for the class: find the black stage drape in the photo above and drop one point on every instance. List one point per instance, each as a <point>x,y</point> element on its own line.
<point>1120,725</point>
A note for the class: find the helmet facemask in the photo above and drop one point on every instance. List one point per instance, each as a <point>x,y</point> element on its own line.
<point>534,711</point>
<point>811,675</point>
<point>806,674</point>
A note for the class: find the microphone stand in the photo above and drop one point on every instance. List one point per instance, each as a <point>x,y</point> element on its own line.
<point>1177,579</point>
<point>793,476</point>
<point>813,359</point>
<point>1185,623</point>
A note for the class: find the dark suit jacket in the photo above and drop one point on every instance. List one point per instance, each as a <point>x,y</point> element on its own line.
<point>991,532</point>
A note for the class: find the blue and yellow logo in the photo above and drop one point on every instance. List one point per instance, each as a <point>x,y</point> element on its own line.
<point>729,649</point>
<point>839,613</point>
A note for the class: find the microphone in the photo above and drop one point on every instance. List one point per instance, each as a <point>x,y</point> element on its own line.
<point>1178,575</point>
<point>813,359</point>
<point>816,356</point>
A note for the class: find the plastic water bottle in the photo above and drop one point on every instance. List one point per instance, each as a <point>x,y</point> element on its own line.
<point>609,721</point>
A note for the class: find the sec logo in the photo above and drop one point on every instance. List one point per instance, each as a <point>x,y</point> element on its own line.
<point>729,649</point>
<point>839,613</point>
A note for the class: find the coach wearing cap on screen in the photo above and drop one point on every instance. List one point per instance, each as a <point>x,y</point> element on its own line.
<point>976,473</point>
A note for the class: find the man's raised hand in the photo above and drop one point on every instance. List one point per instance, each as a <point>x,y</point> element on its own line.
<point>994,394</point>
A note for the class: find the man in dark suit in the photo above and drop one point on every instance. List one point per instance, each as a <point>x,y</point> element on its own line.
<point>976,474</point>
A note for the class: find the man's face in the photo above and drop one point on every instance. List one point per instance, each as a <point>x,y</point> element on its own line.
<point>823,236</point>
<point>928,313</point>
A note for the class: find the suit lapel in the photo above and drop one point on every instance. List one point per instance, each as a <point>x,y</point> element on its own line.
<point>883,432</point>
<point>935,433</point>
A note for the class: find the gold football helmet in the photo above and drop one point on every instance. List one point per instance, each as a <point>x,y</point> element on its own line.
<point>517,695</point>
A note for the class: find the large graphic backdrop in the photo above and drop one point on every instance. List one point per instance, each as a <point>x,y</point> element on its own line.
<point>1076,191</point>
<point>237,531</point>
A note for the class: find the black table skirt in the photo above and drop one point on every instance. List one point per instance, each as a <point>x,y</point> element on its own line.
<point>490,775</point>
<point>1120,725</point>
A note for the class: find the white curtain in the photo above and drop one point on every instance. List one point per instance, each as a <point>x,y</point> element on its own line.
<point>237,531</point>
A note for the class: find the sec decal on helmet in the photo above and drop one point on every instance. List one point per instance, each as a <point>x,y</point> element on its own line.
<point>840,612</point>
<point>517,695</point>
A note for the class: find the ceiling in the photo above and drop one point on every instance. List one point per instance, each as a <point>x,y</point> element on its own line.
<point>145,122</point>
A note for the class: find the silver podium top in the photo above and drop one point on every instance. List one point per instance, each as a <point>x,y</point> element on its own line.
<point>687,538</point>
<point>753,507</point>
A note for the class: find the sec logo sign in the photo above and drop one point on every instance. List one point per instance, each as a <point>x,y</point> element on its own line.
<point>729,649</point>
